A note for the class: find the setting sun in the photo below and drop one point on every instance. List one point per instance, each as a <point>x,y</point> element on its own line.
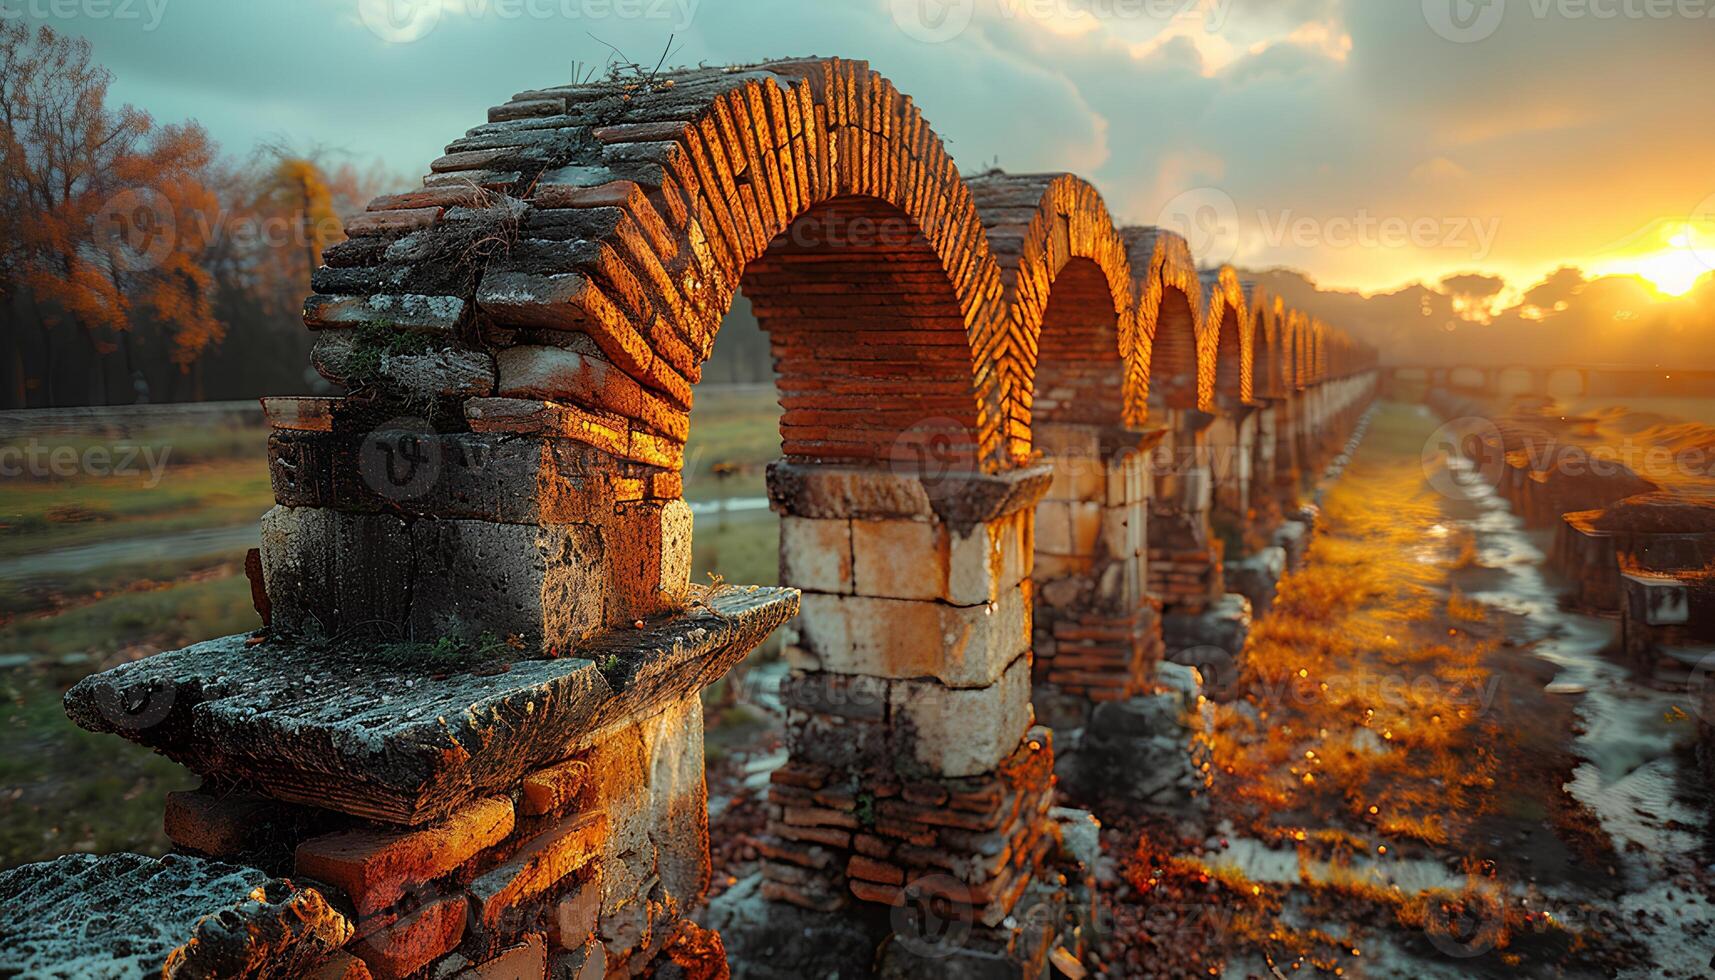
<point>1687,255</point>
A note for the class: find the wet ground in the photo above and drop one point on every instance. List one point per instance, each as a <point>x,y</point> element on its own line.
<point>1427,769</point>
<point>1432,771</point>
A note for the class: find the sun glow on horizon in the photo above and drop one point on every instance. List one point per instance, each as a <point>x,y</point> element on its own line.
<point>1684,254</point>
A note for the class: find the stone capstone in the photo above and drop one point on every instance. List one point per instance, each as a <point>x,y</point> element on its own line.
<point>405,739</point>
<point>89,917</point>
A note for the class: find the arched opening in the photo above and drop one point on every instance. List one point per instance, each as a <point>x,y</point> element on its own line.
<point>1173,354</point>
<point>1515,381</point>
<point>1229,362</point>
<point>868,339</point>
<point>1232,435</point>
<point>1566,382</point>
<point>1079,373</point>
<point>1183,567</point>
<point>1089,544</point>
<point>912,622</point>
<point>1468,378</point>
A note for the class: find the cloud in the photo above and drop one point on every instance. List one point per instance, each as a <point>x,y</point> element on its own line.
<point>1475,285</point>
<point>1324,108</point>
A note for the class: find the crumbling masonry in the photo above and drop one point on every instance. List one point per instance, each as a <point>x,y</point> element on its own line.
<point>469,737</point>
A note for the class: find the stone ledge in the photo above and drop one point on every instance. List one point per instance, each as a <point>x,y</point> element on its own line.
<point>125,915</point>
<point>960,500</point>
<point>406,743</point>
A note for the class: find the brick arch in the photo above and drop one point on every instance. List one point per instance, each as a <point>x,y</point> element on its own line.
<point>613,222</point>
<point>1297,350</point>
<point>1170,342</point>
<point>1268,316</point>
<point>868,337</point>
<point>1318,351</point>
<point>1228,336</point>
<point>1069,290</point>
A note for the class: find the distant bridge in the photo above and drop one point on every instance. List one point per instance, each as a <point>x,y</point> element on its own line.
<point>1559,380</point>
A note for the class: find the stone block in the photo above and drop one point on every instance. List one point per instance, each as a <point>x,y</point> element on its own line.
<point>548,584</point>
<point>342,966</point>
<point>375,867</point>
<point>549,857</point>
<point>1124,531</point>
<point>126,915</point>
<point>576,913</point>
<point>414,941</point>
<point>961,732</point>
<point>899,559</point>
<point>962,646</point>
<point>647,555</point>
<point>1086,526</point>
<point>308,722</point>
<point>990,561</point>
<point>220,824</point>
<point>1127,478</point>
<point>588,962</point>
<point>552,788</point>
<point>527,960</point>
<point>1079,477</point>
<point>816,555</point>
<point>339,357</point>
<point>328,572</point>
<point>1054,527</point>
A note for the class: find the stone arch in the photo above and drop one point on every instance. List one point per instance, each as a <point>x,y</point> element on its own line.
<point>614,221</point>
<point>1170,324</point>
<point>1317,351</point>
<point>1070,288</point>
<point>1069,291</point>
<point>1517,379</point>
<point>1268,363</point>
<point>1298,333</point>
<point>1229,337</point>
<point>1468,377</point>
<point>1566,382</point>
<point>570,262</point>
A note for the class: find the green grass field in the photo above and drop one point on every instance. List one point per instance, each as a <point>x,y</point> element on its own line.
<point>63,789</point>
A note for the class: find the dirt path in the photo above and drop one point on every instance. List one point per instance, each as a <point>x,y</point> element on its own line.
<point>1434,772</point>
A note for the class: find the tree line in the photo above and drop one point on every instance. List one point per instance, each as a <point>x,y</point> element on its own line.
<point>142,264</point>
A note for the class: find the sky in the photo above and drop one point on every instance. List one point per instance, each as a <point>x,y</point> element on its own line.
<point>1368,144</point>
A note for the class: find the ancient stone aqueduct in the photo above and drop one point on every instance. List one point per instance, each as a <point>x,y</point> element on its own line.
<point>981,380</point>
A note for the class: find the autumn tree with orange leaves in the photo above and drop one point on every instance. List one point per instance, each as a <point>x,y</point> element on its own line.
<point>136,254</point>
